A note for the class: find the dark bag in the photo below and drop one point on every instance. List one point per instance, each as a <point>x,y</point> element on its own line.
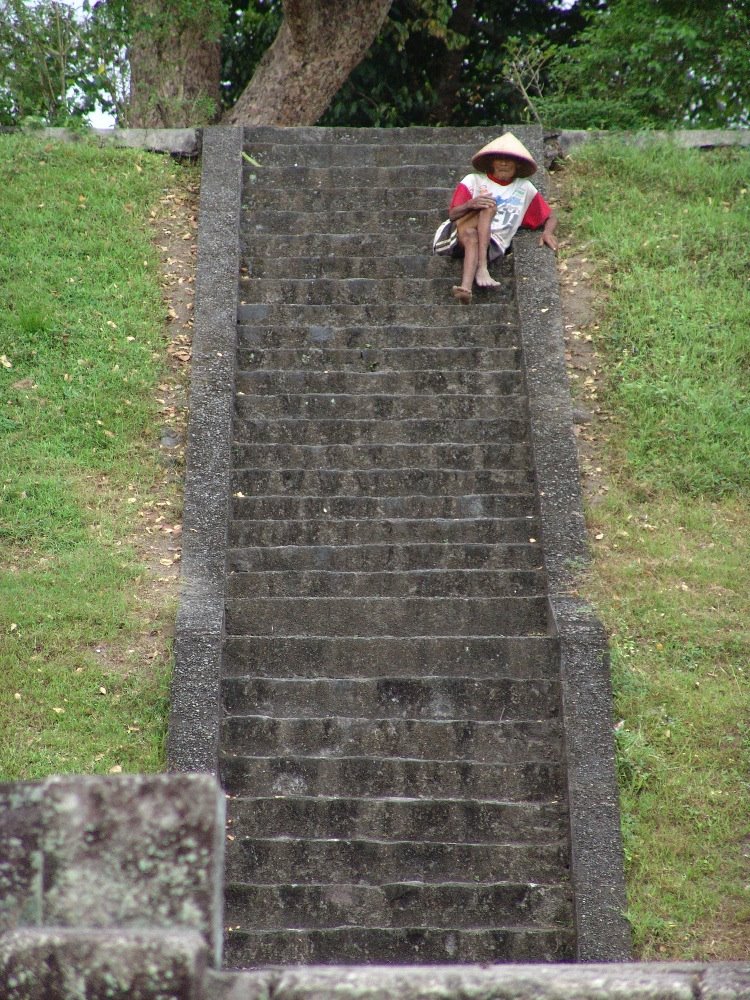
<point>445,239</point>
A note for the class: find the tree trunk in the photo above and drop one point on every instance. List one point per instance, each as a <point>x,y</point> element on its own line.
<point>318,45</point>
<point>174,72</point>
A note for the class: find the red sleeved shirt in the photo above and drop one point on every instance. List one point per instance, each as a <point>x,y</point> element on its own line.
<point>536,214</point>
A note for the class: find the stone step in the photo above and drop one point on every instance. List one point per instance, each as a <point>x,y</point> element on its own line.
<point>368,219</point>
<point>426,697</point>
<point>257,197</point>
<point>360,291</point>
<point>398,819</point>
<point>349,531</point>
<point>505,741</point>
<point>329,266</point>
<point>384,407</point>
<point>487,308</point>
<point>377,777</point>
<point>377,337</point>
<point>399,904</point>
<point>302,508</point>
<point>257,243</point>
<point>395,359</point>
<point>379,482</point>
<point>339,430</point>
<point>373,383</point>
<point>308,136</point>
<point>404,945</point>
<point>469,457</point>
<point>521,657</point>
<point>424,583</point>
<point>427,616</point>
<point>447,160</point>
<point>341,179</point>
<point>370,861</point>
<point>384,557</point>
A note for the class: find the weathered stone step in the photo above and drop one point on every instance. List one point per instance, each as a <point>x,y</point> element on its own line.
<point>448,160</point>
<point>347,406</point>
<point>355,432</point>
<point>526,657</point>
<point>428,616</point>
<point>428,697</point>
<point>351,199</point>
<point>384,556</point>
<point>415,265</point>
<point>357,291</point>
<point>256,244</point>
<point>349,531</point>
<point>368,861</point>
<point>369,219</point>
<point>469,457</point>
<point>292,508</point>
<point>410,945</point>
<point>310,136</point>
<point>379,482</point>
<point>373,383</point>
<point>340,178</point>
<point>428,739</point>
<point>399,904</point>
<point>412,531</point>
<point>496,335</point>
<point>486,308</point>
<point>396,359</point>
<point>323,817</point>
<point>389,776</point>
<point>424,583</point>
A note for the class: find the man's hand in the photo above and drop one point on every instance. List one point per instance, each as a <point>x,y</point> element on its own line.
<point>480,202</point>
<point>547,239</point>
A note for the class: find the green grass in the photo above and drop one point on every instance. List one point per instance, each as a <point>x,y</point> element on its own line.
<point>669,232</point>
<point>670,228</point>
<point>82,347</point>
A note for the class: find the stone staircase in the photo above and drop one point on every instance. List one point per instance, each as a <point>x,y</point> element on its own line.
<point>391,742</point>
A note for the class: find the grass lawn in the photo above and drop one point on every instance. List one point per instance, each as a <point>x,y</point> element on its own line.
<point>84,660</point>
<point>666,234</point>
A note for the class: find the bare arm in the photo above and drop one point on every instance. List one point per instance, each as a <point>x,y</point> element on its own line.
<point>547,238</point>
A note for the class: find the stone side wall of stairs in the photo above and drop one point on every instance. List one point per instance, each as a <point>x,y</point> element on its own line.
<point>407,520</point>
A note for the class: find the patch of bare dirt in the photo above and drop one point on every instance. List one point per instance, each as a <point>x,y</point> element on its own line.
<point>581,303</point>
<point>158,537</point>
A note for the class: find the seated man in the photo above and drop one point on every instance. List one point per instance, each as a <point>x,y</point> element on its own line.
<point>487,208</point>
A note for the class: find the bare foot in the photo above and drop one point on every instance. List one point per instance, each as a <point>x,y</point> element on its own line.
<point>484,279</point>
<point>462,294</point>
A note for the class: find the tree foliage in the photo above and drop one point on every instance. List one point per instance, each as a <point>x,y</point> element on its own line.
<point>446,65</point>
<point>654,64</point>
<point>53,62</point>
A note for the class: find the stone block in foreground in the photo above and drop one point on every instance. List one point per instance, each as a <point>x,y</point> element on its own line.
<point>132,852</point>
<point>74,964</point>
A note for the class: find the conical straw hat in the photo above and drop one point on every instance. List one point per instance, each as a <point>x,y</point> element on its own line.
<point>505,145</point>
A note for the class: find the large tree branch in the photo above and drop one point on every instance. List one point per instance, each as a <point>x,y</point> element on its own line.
<point>318,45</point>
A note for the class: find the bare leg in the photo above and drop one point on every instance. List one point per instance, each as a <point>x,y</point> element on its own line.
<point>468,240</point>
<point>482,276</point>
<point>474,237</point>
